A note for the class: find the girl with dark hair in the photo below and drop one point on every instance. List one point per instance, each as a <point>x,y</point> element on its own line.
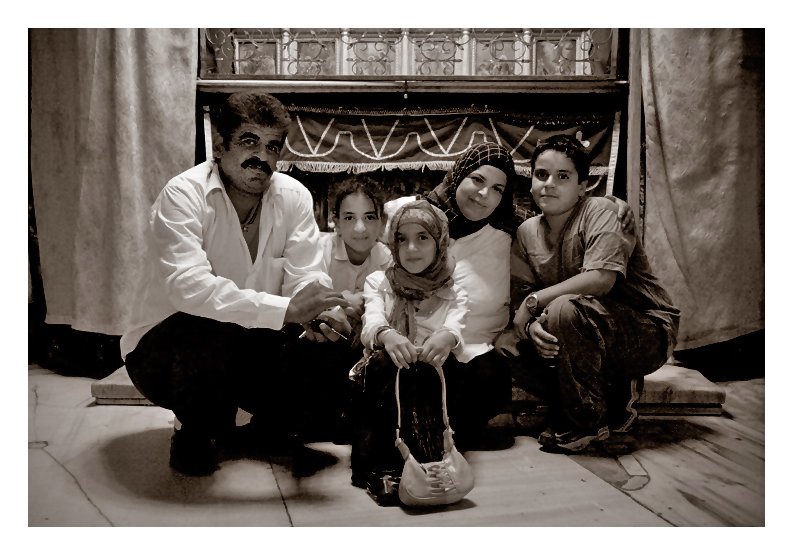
<point>351,252</point>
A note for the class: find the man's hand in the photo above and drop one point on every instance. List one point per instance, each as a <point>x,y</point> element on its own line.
<point>334,325</point>
<point>399,348</point>
<point>507,342</point>
<point>625,214</point>
<point>545,343</point>
<point>310,301</point>
<point>436,348</point>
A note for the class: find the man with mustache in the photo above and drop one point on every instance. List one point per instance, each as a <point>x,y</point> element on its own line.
<point>233,257</point>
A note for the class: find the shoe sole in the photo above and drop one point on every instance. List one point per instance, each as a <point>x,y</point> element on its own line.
<point>632,411</point>
<point>192,471</point>
<point>582,443</point>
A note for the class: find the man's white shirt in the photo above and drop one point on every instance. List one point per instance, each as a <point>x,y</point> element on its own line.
<point>198,261</point>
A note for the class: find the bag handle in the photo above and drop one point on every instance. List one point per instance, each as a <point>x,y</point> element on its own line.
<point>448,430</point>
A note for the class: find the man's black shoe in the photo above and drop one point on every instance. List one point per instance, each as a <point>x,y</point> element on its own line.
<point>193,454</point>
<point>255,440</point>
<point>359,480</point>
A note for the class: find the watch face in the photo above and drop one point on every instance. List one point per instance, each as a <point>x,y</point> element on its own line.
<point>531,304</point>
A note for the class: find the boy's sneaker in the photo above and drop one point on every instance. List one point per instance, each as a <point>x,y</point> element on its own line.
<point>572,441</point>
<point>193,454</point>
<point>622,414</point>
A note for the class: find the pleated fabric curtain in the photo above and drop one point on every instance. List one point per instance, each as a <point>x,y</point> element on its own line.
<point>112,120</point>
<point>703,95</point>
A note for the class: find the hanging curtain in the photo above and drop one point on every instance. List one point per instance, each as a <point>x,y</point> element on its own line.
<point>112,120</point>
<point>703,96</point>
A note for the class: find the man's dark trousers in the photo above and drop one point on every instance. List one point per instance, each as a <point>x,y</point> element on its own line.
<point>203,370</point>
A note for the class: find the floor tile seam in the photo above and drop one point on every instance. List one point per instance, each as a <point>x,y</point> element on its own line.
<point>625,493</point>
<point>87,497</point>
<point>280,493</point>
<point>35,412</point>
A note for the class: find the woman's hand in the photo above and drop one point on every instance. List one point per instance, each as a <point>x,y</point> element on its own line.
<point>545,343</point>
<point>402,352</point>
<point>625,214</point>
<point>436,348</point>
<point>507,342</point>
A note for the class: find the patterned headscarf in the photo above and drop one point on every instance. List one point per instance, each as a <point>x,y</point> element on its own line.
<point>410,289</point>
<point>443,196</point>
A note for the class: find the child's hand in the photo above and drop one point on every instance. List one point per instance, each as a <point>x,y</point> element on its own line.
<point>399,348</point>
<point>545,343</point>
<point>356,308</point>
<point>520,321</point>
<point>437,347</point>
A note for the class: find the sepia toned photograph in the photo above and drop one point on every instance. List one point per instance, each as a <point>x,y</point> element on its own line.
<point>396,277</point>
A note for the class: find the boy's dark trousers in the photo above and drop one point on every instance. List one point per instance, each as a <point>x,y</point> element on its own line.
<point>604,345</point>
<point>203,370</point>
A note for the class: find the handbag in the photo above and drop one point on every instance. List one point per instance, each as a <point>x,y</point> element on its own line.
<point>438,483</point>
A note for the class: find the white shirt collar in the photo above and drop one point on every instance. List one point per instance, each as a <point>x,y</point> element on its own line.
<point>340,250</point>
<point>379,255</point>
<point>214,182</point>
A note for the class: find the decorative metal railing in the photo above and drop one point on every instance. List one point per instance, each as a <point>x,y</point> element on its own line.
<point>315,53</point>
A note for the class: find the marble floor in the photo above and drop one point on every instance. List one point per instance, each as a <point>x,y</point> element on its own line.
<point>99,465</point>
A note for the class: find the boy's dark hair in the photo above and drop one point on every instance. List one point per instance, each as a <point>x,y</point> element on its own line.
<point>249,108</point>
<point>359,183</point>
<point>570,147</point>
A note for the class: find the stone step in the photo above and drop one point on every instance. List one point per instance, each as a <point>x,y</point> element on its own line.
<point>671,390</point>
<point>672,385</point>
<point>117,389</point>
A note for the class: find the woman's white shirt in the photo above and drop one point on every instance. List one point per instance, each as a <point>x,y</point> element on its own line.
<point>482,269</point>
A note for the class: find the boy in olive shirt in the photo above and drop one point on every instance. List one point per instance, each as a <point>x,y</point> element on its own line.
<point>589,302</point>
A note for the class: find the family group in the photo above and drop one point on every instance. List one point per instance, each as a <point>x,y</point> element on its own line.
<point>244,303</point>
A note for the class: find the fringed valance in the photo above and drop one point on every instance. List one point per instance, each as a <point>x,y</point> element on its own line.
<point>323,140</point>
